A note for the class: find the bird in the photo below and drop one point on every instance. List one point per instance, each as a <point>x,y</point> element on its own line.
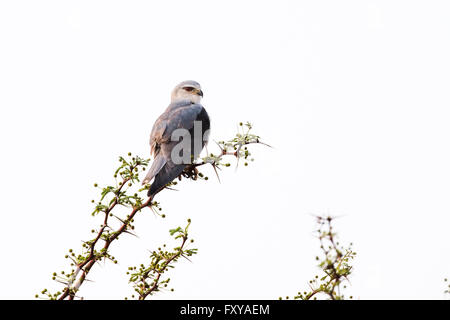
<point>177,136</point>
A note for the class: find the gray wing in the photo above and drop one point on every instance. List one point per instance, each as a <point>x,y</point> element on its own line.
<point>163,168</point>
<point>177,115</point>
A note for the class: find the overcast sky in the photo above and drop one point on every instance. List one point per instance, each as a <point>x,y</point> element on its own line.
<point>353,95</point>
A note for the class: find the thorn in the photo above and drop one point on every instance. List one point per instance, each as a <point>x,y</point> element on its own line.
<point>118,219</point>
<point>219,146</point>
<point>186,258</point>
<point>265,144</point>
<point>215,170</point>
<point>126,231</point>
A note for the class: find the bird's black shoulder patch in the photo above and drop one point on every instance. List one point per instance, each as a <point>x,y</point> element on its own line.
<point>204,118</point>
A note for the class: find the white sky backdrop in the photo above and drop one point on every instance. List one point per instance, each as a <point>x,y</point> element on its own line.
<point>353,95</point>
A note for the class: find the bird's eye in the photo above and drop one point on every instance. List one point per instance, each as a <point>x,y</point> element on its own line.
<point>188,88</point>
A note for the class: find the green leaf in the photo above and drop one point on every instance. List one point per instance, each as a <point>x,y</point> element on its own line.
<point>173,231</point>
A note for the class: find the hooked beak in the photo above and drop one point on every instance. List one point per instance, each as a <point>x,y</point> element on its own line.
<point>200,93</point>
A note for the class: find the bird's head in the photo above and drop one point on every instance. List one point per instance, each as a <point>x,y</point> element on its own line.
<point>187,90</point>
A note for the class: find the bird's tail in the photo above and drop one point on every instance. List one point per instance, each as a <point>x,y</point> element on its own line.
<point>167,173</point>
<point>157,164</point>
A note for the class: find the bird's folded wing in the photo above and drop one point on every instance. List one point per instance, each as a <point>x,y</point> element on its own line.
<point>175,117</point>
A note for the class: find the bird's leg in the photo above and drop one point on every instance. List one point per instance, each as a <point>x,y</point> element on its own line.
<point>195,173</point>
<point>190,172</point>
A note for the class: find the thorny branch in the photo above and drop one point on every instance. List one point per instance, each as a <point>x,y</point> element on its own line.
<point>335,264</point>
<point>148,280</point>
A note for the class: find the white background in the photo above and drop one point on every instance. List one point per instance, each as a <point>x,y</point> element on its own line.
<point>353,95</point>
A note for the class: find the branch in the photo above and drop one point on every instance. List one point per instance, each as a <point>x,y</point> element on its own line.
<point>148,280</point>
<point>335,264</point>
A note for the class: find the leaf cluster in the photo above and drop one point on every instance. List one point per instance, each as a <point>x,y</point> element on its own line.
<point>149,279</point>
